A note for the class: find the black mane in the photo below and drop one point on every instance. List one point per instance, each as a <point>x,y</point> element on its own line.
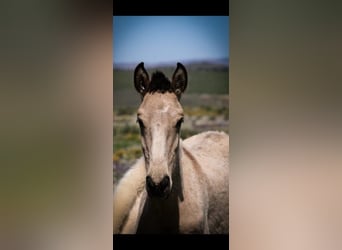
<point>159,83</point>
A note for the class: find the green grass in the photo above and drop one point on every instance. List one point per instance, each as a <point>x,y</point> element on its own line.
<point>205,110</point>
<point>208,82</point>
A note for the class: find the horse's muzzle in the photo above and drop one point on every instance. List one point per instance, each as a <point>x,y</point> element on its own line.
<point>161,190</point>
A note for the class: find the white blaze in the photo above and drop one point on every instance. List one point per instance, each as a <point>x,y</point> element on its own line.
<point>165,109</point>
<point>158,144</point>
<point>158,155</point>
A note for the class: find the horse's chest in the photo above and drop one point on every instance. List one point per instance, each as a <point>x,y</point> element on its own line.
<point>171,217</point>
<point>159,218</point>
<point>192,218</point>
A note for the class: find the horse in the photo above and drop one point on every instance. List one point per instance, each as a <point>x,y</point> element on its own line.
<point>177,186</point>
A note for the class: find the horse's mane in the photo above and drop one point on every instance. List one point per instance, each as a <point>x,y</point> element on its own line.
<point>159,83</point>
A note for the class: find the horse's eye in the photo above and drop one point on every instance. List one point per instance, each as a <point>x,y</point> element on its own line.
<point>141,124</point>
<point>179,122</point>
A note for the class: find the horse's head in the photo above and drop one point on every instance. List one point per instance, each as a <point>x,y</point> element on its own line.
<point>160,116</point>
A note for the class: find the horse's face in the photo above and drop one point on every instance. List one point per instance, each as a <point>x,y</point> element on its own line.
<point>160,116</point>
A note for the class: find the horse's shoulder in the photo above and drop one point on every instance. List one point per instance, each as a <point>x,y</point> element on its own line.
<point>208,144</point>
<point>208,137</point>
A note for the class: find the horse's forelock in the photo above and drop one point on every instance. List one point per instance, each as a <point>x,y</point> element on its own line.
<point>159,83</point>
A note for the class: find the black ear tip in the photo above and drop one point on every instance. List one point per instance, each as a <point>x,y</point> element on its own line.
<point>138,67</point>
<point>179,65</point>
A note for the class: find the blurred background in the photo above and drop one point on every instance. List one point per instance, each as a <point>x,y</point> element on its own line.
<point>285,99</point>
<point>200,43</point>
<point>56,125</point>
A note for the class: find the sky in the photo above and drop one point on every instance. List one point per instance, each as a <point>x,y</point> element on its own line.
<point>163,39</point>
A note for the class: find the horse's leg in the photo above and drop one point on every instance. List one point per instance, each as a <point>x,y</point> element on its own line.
<point>206,225</point>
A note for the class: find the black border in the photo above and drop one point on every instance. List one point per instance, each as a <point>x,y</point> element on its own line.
<point>173,241</point>
<point>175,7</point>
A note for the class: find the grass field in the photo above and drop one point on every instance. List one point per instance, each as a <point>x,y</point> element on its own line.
<point>205,104</point>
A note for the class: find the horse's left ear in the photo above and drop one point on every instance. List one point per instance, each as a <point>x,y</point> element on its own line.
<point>179,80</point>
<point>141,79</point>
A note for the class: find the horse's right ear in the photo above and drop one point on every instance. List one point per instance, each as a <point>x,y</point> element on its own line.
<point>141,79</point>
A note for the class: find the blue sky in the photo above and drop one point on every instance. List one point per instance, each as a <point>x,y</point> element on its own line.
<point>158,39</point>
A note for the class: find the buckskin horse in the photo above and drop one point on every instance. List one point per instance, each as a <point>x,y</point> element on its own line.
<point>177,186</point>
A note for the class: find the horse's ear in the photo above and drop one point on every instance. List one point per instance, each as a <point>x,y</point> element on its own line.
<point>141,79</point>
<point>179,79</point>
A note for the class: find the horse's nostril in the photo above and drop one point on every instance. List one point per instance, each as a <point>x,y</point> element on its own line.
<point>164,183</point>
<point>149,182</point>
